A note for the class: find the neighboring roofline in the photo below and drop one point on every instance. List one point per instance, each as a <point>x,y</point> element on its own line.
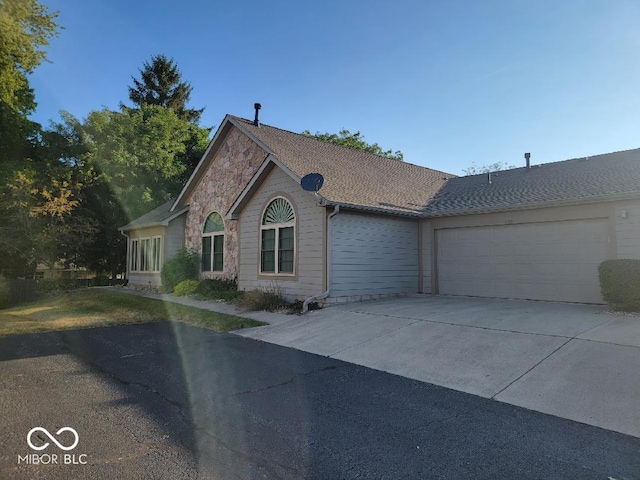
<point>532,206</point>
<point>256,180</point>
<point>162,223</point>
<point>221,132</point>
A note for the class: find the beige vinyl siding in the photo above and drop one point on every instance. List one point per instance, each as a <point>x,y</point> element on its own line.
<point>174,237</point>
<point>426,254</point>
<point>373,255</point>
<point>628,230</point>
<point>308,278</point>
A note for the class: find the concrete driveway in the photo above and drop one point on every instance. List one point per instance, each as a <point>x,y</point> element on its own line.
<point>574,361</point>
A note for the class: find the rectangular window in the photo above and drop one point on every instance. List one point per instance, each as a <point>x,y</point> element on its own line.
<point>156,253</point>
<point>268,251</point>
<point>145,254</point>
<point>134,255</point>
<point>206,254</point>
<point>285,250</point>
<point>218,253</point>
<point>213,253</point>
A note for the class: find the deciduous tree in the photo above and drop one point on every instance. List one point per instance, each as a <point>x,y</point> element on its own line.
<point>345,138</point>
<point>474,169</point>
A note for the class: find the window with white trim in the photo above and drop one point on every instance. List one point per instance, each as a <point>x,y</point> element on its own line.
<point>134,255</point>
<point>156,253</point>
<point>146,254</point>
<point>213,244</point>
<point>277,238</point>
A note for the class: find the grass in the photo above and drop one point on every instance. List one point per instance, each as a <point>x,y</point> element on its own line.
<point>94,307</point>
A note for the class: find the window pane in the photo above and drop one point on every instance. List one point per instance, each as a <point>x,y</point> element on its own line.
<point>145,255</point>
<point>286,238</point>
<point>156,254</point>
<point>285,253</point>
<point>213,224</point>
<point>268,240</point>
<point>206,254</point>
<point>134,255</point>
<point>268,253</point>
<point>218,253</point>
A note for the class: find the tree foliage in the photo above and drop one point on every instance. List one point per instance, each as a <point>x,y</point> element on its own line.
<point>141,154</point>
<point>40,191</point>
<point>40,222</point>
<point>161,84</point>
<point>356,140</point>
<point>25,28</point>
<point>134,161</point>
<point>474,169</point>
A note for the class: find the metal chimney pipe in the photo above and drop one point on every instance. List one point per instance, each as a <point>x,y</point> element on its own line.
<point>527,157</point>
<point>257,106</point>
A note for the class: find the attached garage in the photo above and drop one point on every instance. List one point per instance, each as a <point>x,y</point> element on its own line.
<point>554,261</point>
<point>373,255</point>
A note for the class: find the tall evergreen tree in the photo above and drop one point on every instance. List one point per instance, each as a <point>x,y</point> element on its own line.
<point>161,84</point>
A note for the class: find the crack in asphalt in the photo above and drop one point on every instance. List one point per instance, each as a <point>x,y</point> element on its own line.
<point>289,381</point>
<point>180,407</point>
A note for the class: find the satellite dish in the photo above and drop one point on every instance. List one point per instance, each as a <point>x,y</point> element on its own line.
<point>312,182</point>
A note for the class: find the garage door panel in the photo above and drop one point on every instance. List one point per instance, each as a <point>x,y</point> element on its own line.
<point>542,261</point>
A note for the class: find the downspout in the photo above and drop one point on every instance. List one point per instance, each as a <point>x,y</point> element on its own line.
<point>305,305</point>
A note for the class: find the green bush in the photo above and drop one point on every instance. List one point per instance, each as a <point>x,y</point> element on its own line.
<point>620,283</point>
<point>266,298</point>
<point>218,289</point>
<point>186,287</point>
<point>184,265</point>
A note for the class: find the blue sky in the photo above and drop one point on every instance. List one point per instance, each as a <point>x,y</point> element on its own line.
<point>448,83</point>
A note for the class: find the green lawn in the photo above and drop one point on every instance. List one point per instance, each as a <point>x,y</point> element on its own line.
<point>96,307</point>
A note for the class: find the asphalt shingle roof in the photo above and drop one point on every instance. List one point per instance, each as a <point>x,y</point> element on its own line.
<point>352,177</point>
<point>577,180</point>
<point>154,217</point>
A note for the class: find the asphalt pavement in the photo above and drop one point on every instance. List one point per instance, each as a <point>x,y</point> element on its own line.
<point>167,400</point>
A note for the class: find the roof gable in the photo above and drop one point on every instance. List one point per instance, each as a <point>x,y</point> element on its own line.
<point>160,216</point>
<point>198,173</point>
<point>352,177</point>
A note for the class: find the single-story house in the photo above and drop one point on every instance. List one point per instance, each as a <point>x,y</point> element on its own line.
<point>381,227</point>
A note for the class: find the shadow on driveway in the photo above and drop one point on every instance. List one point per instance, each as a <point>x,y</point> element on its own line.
<point>167,400</point>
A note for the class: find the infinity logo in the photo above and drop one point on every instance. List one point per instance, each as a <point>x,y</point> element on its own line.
<point>58,444</point>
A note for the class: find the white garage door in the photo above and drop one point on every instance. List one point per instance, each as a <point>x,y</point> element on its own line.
<point>539,261</point>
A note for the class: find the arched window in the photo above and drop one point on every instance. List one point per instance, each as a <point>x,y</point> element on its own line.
<point>213,244</point>
<point>277,233</point>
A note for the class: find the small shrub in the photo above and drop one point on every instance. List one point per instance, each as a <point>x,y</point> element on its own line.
<point>620,283</point>
<point>186,287</point>
<point>184,265</point>
<point>266,298</point>
<point>218,289</point>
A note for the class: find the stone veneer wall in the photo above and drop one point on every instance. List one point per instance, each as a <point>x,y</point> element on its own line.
<point>233,165</point>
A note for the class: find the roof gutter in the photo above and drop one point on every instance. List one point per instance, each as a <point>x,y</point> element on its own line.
<point>383,211</point>
<point>533,206</point>
<point>305,305</point>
